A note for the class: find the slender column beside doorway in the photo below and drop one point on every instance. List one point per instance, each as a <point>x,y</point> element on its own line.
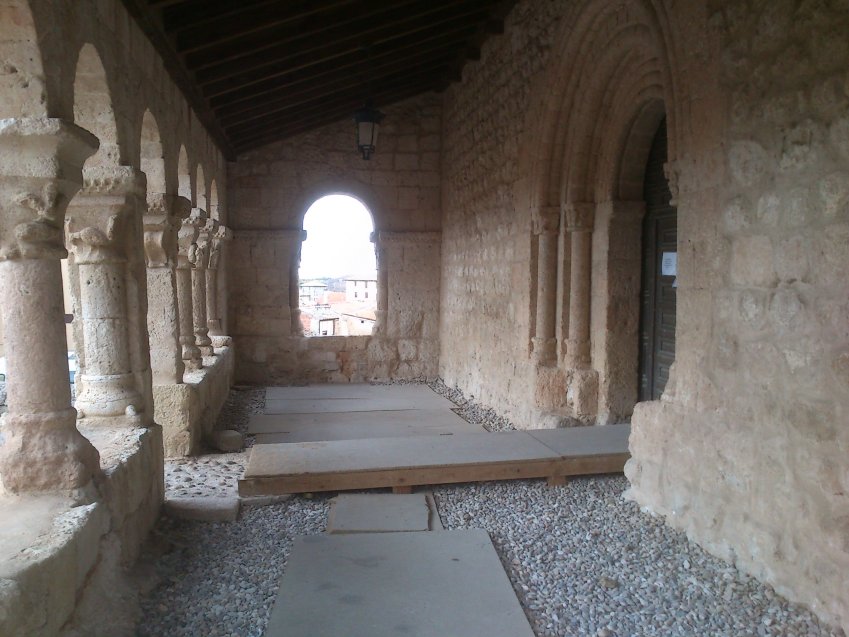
<point>42,450</point>
<point>546,227</point>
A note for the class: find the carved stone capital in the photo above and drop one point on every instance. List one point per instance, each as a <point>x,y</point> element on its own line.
<point>96,227</point>
<point>546,220</point>
<point>161,223</point>
<point>579,216</point>
<point>206,234</point>
<point>113,180</point>
<point>672,173</point>
<point>221,236</point>
<point>187,236</point>
<point>41,162</point>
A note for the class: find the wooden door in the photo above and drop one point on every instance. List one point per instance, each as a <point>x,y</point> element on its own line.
<point>657,295</point>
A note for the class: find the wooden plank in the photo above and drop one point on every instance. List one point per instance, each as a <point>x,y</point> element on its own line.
<point>418,395</point>
<point>314,483</point>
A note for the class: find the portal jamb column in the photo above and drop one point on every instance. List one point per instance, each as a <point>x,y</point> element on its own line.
<point>546,228</point>
<point>579,220</point>
<point>42,170</point>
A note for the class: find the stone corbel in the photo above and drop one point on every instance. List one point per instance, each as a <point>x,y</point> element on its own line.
<point>579,216</point>
<point>34,193</point>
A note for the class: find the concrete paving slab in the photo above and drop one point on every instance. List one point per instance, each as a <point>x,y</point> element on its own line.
<point>421,395</point>
<point>574,442</point>
<point>378,513</point>
<point>336,405</point>
<point>389,584</point>
<point>403,418</point>
<point>203,509</point>
<point>345,456</point>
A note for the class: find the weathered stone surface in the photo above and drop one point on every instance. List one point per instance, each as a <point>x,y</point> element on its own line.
<point>227,440</point>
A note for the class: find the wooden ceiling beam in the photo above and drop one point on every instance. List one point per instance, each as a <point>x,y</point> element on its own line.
<point>178,73</point>
<point>248,23</point>
<point>401,73</point>
<point>348,102</point>
<point>277,87</point>
<point>355,32</point>
<point>178,19</point>
<point>273,134</point>
<point>271,77</point>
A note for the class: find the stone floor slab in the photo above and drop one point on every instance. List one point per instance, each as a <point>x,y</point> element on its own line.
<point>585,441</point>
<point>418,395</point>
<point>389,584</point>
<point>337,405</point>
<point>378,513</point>
<point>349,426</point>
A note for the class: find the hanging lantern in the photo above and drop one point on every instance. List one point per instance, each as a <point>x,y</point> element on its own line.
<point>368,121</point>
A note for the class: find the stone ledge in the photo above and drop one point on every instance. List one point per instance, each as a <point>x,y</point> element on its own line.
<point>188,411</point>
<point>51,550</point>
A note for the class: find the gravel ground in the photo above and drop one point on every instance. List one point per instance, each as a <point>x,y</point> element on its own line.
<point>219,579</point>
<point>583,561</point>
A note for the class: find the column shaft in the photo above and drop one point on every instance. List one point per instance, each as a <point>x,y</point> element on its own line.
<point>201,330</point>
<point>580,217</point>
<point>109,384</point>
<point>190,351</point>
<point>544,341</point>
<point>42,450</point>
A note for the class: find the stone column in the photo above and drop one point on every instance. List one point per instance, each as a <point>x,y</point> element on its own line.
<point>213,313</point>
<point>295,240</point>
<point>546,228</point>
<point>200,265</point>
<point>186,251</point>
<point>161,224</point>
<point>100,233</point>
<point>579,223</point>
<point>382,286</point>
<point>582,395</point>
<point>41,163</point>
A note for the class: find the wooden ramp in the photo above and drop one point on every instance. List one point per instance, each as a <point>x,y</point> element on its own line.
<point>404,462</point>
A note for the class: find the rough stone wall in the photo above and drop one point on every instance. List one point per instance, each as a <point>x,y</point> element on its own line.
<point>271,190</point>
<point>487,253</point>
<point>747,449</point>
<point>748,452</point>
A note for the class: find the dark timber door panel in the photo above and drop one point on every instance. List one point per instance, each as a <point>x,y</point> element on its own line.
<point>657,295</point>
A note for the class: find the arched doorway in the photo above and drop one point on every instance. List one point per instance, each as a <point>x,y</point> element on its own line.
<point>659,271</point>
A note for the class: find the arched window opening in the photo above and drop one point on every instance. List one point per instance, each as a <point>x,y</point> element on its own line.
<point>337,279</point>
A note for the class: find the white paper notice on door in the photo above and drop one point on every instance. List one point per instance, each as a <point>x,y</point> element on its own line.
<point>669,264</point>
